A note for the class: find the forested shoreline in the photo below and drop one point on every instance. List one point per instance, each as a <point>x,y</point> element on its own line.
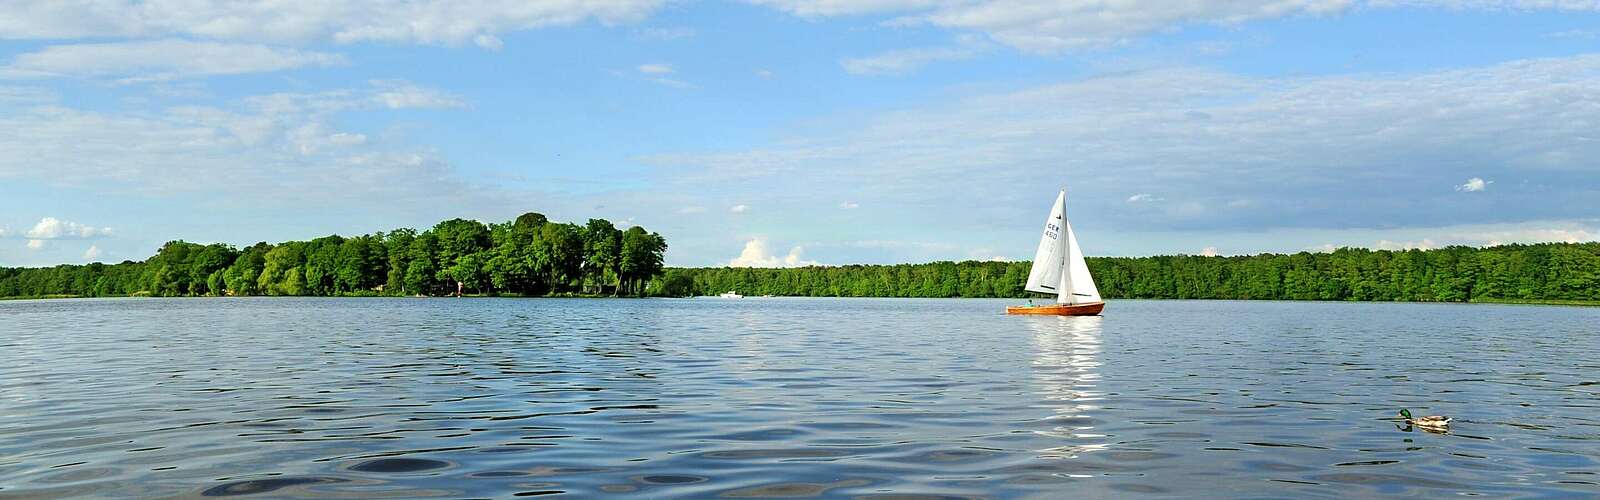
<point>533,256</point>
<point>527,256</point>
<point>1540,272</point>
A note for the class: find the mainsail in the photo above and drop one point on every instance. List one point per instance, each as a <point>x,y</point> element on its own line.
<point>1049,260</point>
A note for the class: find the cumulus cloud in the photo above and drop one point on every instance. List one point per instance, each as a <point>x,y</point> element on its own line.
<point>987,254</point>
<point>434,22</point>
<point>739,209</point>
<point>51,228</point>
<point>1474,185</point>
<point>1423,244</point>
<point>154,60</point>
<point>92,253</point>
<point>1209,252</point>
<point>35,244</point>
<point>756,254</point>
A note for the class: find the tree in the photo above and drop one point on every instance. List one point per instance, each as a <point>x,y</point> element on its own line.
<point>530,255</point>
<point>602,246</point>
<point>642,255</point>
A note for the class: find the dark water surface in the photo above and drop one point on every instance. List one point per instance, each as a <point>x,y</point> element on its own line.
<point>791,398</point>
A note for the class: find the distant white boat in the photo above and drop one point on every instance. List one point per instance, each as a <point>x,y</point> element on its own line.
<point>730,294</point>
<point>1059,268</point>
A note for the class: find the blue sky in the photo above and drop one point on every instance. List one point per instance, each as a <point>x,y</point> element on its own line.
<point>789,132</point>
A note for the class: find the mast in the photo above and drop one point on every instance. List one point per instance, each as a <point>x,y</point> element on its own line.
<point>1064,291</point>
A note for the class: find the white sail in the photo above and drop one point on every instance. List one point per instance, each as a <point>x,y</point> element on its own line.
<point>1079,286</point>
<point>1049,260</point>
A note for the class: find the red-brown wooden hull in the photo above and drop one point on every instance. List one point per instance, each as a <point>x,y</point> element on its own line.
<point>1059,309</point>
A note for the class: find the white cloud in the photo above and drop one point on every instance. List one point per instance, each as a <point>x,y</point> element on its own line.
<point>287,147</point>
<point>1143,198</point>
<point>1048,26</point>
<point>1474,185</point>
<point>35,244</point>
<point>155,60</point>
<point>656,73</point>
<point>1525,233</point>
<point>26,95</point>
<point>51,228</point>
<point>902,61</point>
<point>849,205</point>
<point>92,253</point>
<point>488,41</point>
<point>756,254</point>
<point>764,74</point>
<point>691,210</point>
<point>1327,152</point>
<point>434,22</point>
<point>987,254</point>
<point>739,209</point>
<point>1052,26</point>
<point>400,94</point>
<point>1209,252</point>
<point>655,68</point>
<point>1423,244</point>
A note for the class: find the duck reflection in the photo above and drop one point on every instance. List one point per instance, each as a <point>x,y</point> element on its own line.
<point>1066,370</point>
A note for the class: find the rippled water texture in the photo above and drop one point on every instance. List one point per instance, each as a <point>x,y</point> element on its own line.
<point>791,397</point>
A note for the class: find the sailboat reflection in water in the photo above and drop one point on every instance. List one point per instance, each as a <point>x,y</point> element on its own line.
<point>1066,368</point>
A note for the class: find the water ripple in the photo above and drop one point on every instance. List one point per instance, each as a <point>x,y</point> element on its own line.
<point>885,399</point>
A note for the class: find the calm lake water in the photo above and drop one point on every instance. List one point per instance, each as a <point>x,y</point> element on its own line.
<point>791,398</point>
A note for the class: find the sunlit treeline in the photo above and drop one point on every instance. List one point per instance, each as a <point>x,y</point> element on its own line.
<point>1552,271</point>
<point>529,255</point>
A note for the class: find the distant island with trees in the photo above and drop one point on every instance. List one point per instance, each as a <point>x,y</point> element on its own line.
<point>527,256</point>
<point>532,256</point>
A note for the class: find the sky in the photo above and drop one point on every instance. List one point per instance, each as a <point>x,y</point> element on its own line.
<point>797,132</point>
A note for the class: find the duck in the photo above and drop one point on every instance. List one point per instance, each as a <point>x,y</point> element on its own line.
<point>1430,421</point>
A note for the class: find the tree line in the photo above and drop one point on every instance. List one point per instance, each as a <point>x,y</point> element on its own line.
<point>530,256</point>
<point>1550,271</point>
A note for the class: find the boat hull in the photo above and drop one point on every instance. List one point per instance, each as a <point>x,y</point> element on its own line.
<point>1091,309</point>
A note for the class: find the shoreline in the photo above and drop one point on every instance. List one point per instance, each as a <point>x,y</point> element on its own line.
<point>1519,302</point>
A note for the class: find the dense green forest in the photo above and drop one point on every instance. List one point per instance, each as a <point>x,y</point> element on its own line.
<point>530,255</point>
<point>1552,271</point>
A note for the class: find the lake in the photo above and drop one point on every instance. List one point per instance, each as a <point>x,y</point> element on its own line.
<point>898,398</point>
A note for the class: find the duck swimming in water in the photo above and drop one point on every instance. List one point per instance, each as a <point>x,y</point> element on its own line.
<point>1430,421</point>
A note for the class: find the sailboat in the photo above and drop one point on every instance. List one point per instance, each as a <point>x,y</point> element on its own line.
<point>1058,268</point>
